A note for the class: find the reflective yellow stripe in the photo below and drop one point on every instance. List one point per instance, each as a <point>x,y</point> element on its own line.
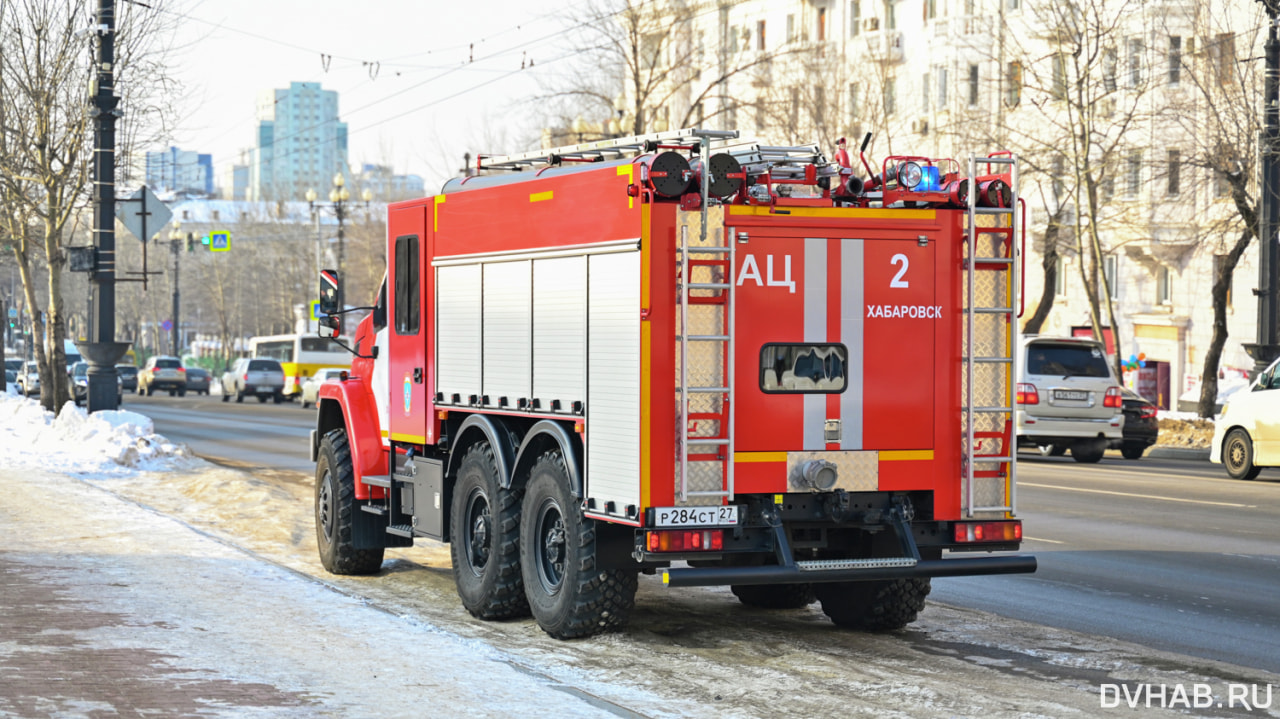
<point>436,212</point>
<point>905,454</point>
<point>759,456</point>
<point>540,196</point>
<point>412,438</point>
<point>627,170</point>
<point>835,212</point>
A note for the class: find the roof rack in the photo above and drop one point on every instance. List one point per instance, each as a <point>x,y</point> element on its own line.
<point>602,150</point>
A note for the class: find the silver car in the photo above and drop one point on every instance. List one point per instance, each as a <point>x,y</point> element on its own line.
<point>29,379</point>
<point>263,378</point>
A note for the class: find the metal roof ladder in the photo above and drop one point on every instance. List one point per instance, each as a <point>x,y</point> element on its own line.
<point>992,280</point>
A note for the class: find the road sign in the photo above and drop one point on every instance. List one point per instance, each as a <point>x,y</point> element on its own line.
<point>220,241</point>
<point>142,213</point>
<point>167,325</point>
<point>13,311</point>
<point>315,310</point>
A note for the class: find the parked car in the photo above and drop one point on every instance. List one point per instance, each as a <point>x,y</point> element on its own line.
<point>29,379</point>
<point>13,364</point>
<point>162,373</point>
<point>1068,397</point>
<point>1246,436</point>
<point>80,384</point>
<point>11,379</point>
<point>128,376</point>
<point>262,378</point>
<point>311,388</point>
<point>1141,428</point>
<point>198,380</point>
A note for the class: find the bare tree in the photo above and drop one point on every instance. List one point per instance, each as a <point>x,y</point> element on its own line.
<point>45,149</point>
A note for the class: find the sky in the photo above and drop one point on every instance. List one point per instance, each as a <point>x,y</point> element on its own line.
<point>419,82</point>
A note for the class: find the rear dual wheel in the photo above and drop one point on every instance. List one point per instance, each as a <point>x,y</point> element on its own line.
<point>570,595</point>
<point>877,606</point>
<point>484,532</point>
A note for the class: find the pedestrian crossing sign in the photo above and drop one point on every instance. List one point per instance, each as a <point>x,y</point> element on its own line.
<point>220,241</point>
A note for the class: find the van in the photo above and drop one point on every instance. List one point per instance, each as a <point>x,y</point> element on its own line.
<point>1068,397</point>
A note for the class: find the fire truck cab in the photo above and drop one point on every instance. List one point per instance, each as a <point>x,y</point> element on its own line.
<point>723,362</point>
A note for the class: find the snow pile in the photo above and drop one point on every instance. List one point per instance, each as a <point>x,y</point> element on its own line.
<point>75,441</point>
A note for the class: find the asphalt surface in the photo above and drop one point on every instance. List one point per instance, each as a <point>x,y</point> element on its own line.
<point>1165,553</point>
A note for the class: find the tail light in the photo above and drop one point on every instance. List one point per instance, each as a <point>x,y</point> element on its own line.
<point>1027,394</point>
<point>1148,411</point>
<point>246,377</point>
<point>182,370</point>
<point>973,532</point>
<point>685,540</point>
<point>1113,398</point>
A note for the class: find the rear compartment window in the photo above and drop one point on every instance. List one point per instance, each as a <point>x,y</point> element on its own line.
<point>261,365</point>
<point>797,368</point>
<point>1067,360</point>
<point>168,364</point>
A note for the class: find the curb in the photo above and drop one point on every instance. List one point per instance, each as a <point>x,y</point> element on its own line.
<point>1190,453</point>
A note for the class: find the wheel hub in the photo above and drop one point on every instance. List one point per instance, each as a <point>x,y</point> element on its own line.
<point>478,542</point>
<point>326,508</point>
<point>553,545</point>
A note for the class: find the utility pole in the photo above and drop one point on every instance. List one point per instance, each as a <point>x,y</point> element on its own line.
<point>101,350</point>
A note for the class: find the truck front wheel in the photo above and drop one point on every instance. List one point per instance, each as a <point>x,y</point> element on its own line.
<point>336,506</point>
<point>569,594</point>
<point>875,605</point>
<point>774,596</point>
<point>484,533</point>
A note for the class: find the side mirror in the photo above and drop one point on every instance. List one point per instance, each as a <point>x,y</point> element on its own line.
<point>330,326</point>
<point>330,292</point>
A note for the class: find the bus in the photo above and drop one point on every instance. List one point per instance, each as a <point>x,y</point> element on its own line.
<point>300,356</point>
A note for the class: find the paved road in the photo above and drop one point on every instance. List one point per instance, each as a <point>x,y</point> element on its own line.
<point>1165,553</point>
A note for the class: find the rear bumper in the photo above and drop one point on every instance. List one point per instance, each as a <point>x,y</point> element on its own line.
<point>961,567</point>
<point>1033,430</point>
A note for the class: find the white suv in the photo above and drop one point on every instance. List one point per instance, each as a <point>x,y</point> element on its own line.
<point>1068,397</point>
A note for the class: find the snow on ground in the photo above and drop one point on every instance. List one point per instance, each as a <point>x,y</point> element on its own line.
<point>77,442</point>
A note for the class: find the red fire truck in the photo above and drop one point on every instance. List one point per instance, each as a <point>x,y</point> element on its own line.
<point>718,361</point>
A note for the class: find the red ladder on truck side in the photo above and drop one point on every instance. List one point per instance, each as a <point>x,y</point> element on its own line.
<point>991,425</point>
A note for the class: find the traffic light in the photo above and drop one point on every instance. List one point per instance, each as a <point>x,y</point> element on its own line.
<point>191,242</point>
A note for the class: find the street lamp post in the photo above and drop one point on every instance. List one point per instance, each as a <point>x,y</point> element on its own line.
<point>175,240</point>
<point>339,196</point>
<point>1267,348</point>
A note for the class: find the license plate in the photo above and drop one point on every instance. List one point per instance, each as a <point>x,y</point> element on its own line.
<point>264,390</point>
<point>696,516</point>
<point>1072,394</point>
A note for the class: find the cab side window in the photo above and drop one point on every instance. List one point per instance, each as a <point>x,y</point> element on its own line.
<point>407,285</point>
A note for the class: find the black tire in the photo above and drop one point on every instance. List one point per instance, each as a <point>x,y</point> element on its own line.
<point>335,509</point>
<point>141,392</point>
<point>1237,455</point>
<point>226,397</point>
<point>1088,451</point>
<point>775,596</point>
<point>1056,450</point>
<point>484,537</point>
<point>1132,450</point>
<point>570,597</point>
<point>306,404</point>
<point>172,392</point>
<point>239,396</point>
<point>877,606</point>
<point>277,398</point>
<point>182,393</point>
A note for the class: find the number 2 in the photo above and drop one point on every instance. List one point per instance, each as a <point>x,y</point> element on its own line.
<point>897,280</point>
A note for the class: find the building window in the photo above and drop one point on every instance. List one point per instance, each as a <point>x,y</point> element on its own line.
<point>1110,65</point>
<point>1135,62</point>
<point>1164,286</point>
<point>1221,188</point>
<point>1222,57</point>
<point>973,85</point>
<point>1175,60</point>
<point>1059,88</point>
<point>760,40</point>
<point>1133,173</point>
<point>1174,172</point>
<point>1013,93</point>
<point>1109,267</point>
<point>942,88</point>
<point>1014,4</point>
<point>822,25</point>
<point>1060,278</point>
<point>891,15</point>
<point>855,18</point>
<point>794,116</point>
<point>819,104</point>
<point>1107,185</point>
<point>1219,266</point>
<point>931,9</point>
<point>890,97</point>
<point>1059,170</point>
<point>853,104</point>
<point>760,116</point>
<point>924,104</point>
<point>791,28</point>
